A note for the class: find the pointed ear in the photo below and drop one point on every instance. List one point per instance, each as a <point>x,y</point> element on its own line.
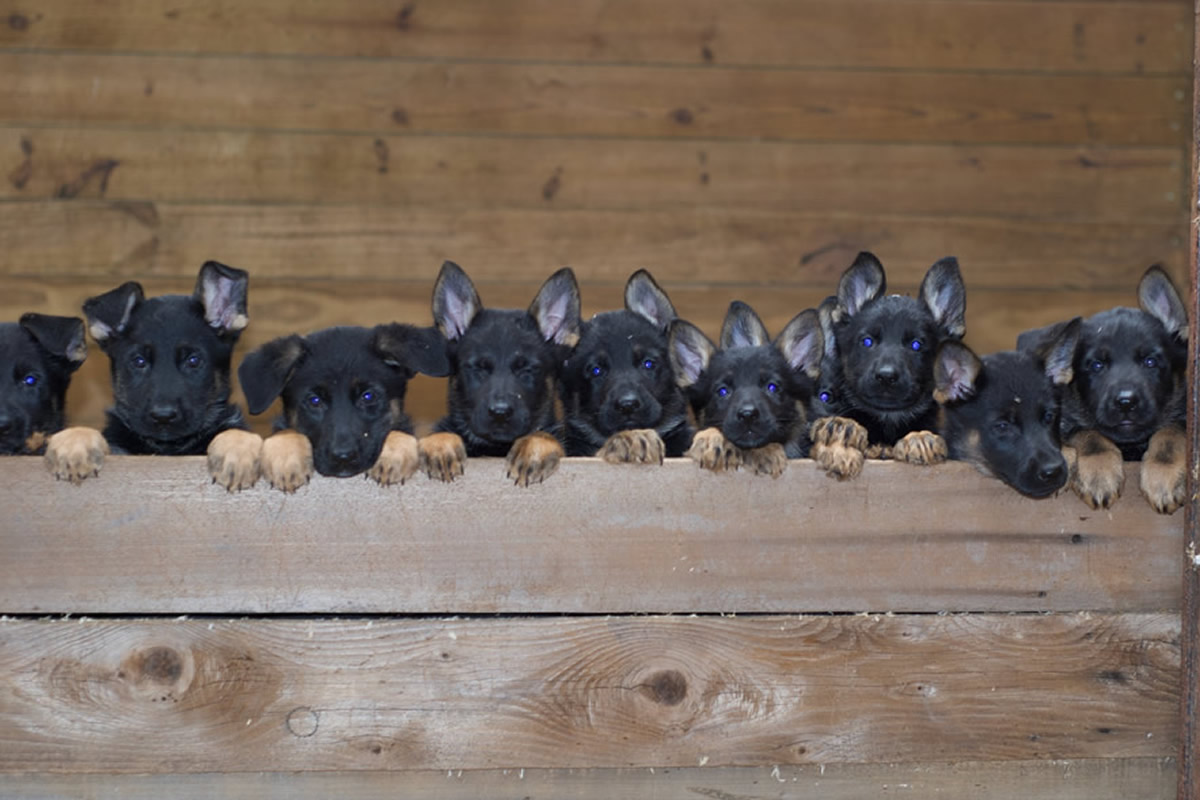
<point>62,337</point>
<point>221,290</point>
<point>412,349</point>
<point>742,328</point>
<point>109,313</point>
<point>690,352</point>
<point>264,372</point>
<point>455,301</point>
<point>644,298</point>
<point>1158,297</point>
<point>955,370</point>
<point>825,313</point>
<point>556,308</point>
<point>803,344</point>
<point>1038,340</point>
<point>944,295</point>
<point>1058,354</point>
<point>862,282</point>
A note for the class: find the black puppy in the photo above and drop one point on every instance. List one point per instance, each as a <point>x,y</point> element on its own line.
<point>504,367</point>
<point>1127,399</point>
<point>749,394</point>
<point>619,394</point>
<point>882,376</point>
<point>38,354</point>
<point>343,401</point>
<point>1001,413</point>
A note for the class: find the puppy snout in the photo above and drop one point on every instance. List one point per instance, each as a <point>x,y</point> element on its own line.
<point>343,454</point>
<point>748,413</point>
<point>629,403</point>
<point>887,374</point>
<point>7,424</point>
<point>1052,473</point>
<point>500,410</point>
<point>164,413</point>
<point>1126,401</point>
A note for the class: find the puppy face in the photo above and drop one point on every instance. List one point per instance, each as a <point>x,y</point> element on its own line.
<point>343,388</point>
<point>37,357</point>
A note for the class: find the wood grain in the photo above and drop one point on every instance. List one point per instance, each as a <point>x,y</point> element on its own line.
<point>1127,184</point>
<point>571,99</point>
<point>235,696</point>
<point>1129,37</point>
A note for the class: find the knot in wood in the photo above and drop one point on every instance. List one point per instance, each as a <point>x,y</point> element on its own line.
<point>161,665</point>
<point>667,687</point>
<point>302,722</point>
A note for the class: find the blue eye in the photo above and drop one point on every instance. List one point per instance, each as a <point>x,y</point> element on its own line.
<point>1096,365</point>
<point>1048,417</point>
<point>1150,361</point>
<point>368,396</point>
<point>140,361</point>
<point>314,400</point>
<point>597,371</point>
<point>29,380</point>
<point>722,391</point>
<point>916,344</point>
<point>825,397</point>
<point>648,364</point>
<point>867,341</point>
<point>193,361</point>
<point>772,387</point>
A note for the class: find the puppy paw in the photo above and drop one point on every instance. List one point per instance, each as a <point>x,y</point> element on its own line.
<point>534,458</point>
<point>641,446</point>
<point>1163,480</point>
<point>1098,474</point>
<point>397,461</point>
<point>712,451</point>
<point>443,456</point>
<point>770,460</point>
<point>838,446</point>
<point>73,454</point>
<point>234,459</point>
<point>922,448</point>
<point>287,460</point>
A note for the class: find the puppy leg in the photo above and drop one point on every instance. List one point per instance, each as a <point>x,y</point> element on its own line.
<point>770,460</point>
<point>287,461</point>
<point>921,448</point>
<point>443,456</point>
<point>397,461</point>
<point>1099,474</point>
<point>73,454</point>
<point>837,446</point>
<point>712,451</point>
<point>534,458</point>
<point>234,459</point>
<point>641,446</point>
<point>1164,471</point>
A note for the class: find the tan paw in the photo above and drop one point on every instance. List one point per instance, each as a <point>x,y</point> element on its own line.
<point>1099,473</point>
<point>640,446</point>
<point>234,459</point>
<point>443,456</point>
<point>712,451</point>
<point>1163,480</point>
<point>534,458</point>
<point>73,454</point>
<point>921,448</point>
<point>397,461</point>
<point>287,461</point>
<point>770,460</point>
<point>838,446</point>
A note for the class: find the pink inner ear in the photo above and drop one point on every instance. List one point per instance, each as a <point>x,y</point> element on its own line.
<point>961,382</point>
<point>553,320</point>
<point>220,304</point>
<point>458,315</point>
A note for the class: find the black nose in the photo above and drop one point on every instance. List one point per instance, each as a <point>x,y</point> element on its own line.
<point>164,414</point>
<point>342,455</point>
<point>747,413</point>
<point>500,411</point>
<point>7,423</point>
<point>887,374</point>
<point>1052,473</point>
<point>1127,400</point>
<point>628,403</point>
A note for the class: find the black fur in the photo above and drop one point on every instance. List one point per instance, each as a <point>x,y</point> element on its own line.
<point>37,357</point>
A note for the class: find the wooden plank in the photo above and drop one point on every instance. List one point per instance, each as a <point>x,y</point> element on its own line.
<point>1093,779</point>
<point>569,99</point>
<point>90,240</point>
<point>1071,36</point>
<point>1124,184</point>
<point>235,696</point>
<point>154,535</point>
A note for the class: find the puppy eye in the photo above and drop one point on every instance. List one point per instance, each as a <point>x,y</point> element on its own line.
<point>722,391</point>
<point>867,341</point>
<point>1048,417</point>
<point>1001,426</point>
<point>772,387</point>
<point>1096,365</point>
<point>367,397</point>
<point>648,363</point>
<point>30,380</point>
<point>314,400</point>
<point>597,371</point>
<point>139,362</point>
<point>825,397</point>
<point>916,344</point>
<point>1150,362</point>
<point>193,361</point>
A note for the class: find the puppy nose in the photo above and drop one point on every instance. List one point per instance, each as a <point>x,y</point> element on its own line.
<point>500,411</point>
<point>1127,400</point>
<point>6,423</point>
<point>628,403</point>
<point>747,413</point>
<point>342,455</point>
<point>1052,473</point>
<point>887,374</point>
<point>163,414</point>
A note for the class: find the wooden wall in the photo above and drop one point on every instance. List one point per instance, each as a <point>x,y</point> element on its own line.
<point>341,151</point>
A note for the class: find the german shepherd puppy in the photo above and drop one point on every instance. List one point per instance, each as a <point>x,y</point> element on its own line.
<point>1001,412</point>
<point>749,394</point>
<point>619,394</point>
<point>1127,399</point>
<point>504,367</point>
<point>343,401</point>
<point>38,354</point>
<point>882,375</point>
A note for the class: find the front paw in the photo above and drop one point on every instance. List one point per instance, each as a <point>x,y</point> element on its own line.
<point>712,451</point>
<point>922,448</point>
<point>73,454</point>
<point>838,446</point>
<point>1099,473</point>
<point>443,456</point>
<point>640,446</point>
<point>534,458</point>
<point>1163,480</point>
<point>287,460</point>
<point>770,460</point>
<point>234,459</point>
<point>397,461</point>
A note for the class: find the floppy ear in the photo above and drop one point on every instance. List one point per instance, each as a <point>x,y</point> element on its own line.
<point>690,352</point>
<point>455,301</point>
<point>944,295</point>
<point>108,314</point>
<point>862,282</point>
<point>61,337</point>
<point>644,298</point>
<point>1157,296</point>
<point>742,327</point>
<point>264,372</point>
<point>803,344</point>
<point>221,290</point>
<point>1058,353</point>
<point>412,349</point>
<point>955,370</point>
<point>556,308</point>
<point>1038,340</point>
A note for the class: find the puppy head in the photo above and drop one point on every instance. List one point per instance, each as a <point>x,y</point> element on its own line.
<point>37,357</point>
